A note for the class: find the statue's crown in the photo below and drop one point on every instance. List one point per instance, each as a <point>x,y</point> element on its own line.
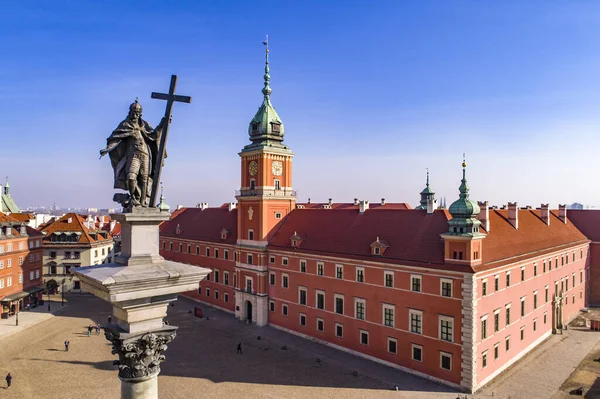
<point>135,106</point>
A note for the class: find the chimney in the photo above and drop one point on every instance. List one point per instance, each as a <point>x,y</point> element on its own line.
<point>545,213</point>
<point>330,201</point>
<point>179,207</point>
<point>431,205</point>
<point>363,206</point>
<point>113,223</point>
<point>562,213</point>
<point>383,201</point>
<point>484,215</point>
<point>232,206</point>
<point>204,205</point>
<point>309,200</point>
<point>513,214</point>
<point>355,201</point>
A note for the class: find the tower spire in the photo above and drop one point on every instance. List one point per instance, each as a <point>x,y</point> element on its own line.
<point>427,177</point>
<point>464,188</point>
<point>267,88</point>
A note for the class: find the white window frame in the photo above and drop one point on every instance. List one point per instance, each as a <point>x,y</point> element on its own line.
<point>305,263</point>
<point>484,364</point>
<point>37,273</point>
<point>1,283</point>
<point>387,306</point>
<point>300,320</point>
<point>412,352</point>
<point>300,289</point>
<point>497,313</point>
<point>360,334</point>
<point>445,318</point>
<point>418,277</point>
<point>484,283</point>
<point>274,278</point>
<point>286,312</point>
<point>251,283</point>
<point>249,234</point>
<point>523,307</point>
<point>364,303</point>
<point>415,312</point>
<point>317,299</point>
<point>272,259</point>
<point>2,264</point>
<point>335,298</point>
<point>8,263</point>
<point>271,306</point>
<point>362,269</point>
<point>317,324</point>
<point>225,280</point>
<point>31,275</point>
<point>285,261</point>
<point>336,330</point>
<point>322,265</point>
<point>20,278</point>
<point>283,277</point>
<point>9,281</point>
<point>385,274</point>
<point>507,339</point>
<point>339,267</point>
<point>482,320</point>
<point>395,340</point>
<point>448,354</point>
<point>447,281</point>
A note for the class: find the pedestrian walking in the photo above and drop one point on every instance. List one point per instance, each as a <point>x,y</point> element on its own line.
<point>239,348</point>
<point>97,329</point>
<point>89,330</point>
<point>8,380</point>
<point>109,319</point>
<point>67,345</point>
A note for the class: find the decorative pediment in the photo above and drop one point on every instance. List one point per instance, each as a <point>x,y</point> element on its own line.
<point>224,234</point>
<point>379,246</point>
<point>295,240</point>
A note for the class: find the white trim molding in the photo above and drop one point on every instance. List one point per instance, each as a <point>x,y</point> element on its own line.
<point>469,333</point>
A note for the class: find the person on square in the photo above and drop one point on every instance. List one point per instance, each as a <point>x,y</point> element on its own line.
<point>67,345</point>
<point>239,348</point>
<point>8,380</point>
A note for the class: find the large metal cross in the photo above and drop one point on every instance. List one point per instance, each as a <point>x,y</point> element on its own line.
<point>171,98</point>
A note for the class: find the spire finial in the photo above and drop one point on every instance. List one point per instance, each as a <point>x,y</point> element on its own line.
<point>267,89</point>
<point>427,177</point>
<point>162,189</point>
<point>464,188</point>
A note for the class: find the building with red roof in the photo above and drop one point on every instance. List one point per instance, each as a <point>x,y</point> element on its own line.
<point>69,242</point>
<point>454,295</point>
<point>20,266</point>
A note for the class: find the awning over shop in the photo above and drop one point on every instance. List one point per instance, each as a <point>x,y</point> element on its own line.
<point>15,296</point>
<point>34,290</point>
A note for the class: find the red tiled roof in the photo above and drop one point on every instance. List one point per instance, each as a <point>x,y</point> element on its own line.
<point>504,244</point>
<point>413,235</point>
<point>7,219</point>
<point>116,231</point>
<point>587,221</point>
<point>72,222</point>
<point>375,205</point>
<point>22,217</point>
<point>202,224</point>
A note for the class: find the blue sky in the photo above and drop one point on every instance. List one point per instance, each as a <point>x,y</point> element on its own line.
<point>371,93</point>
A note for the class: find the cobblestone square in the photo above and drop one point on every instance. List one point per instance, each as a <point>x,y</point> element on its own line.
<point>202,362</point>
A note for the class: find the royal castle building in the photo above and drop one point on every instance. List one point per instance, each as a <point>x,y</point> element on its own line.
<point>455,295</point>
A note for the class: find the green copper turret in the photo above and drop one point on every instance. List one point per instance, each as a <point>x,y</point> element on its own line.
<point>464,212</point>
<point>266,128</point>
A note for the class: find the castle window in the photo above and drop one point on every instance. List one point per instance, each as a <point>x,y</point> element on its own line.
<point>446,287</point>
<point>252,184</point>
<point>389,279</point>
<point>446,360</point>
<point>364,337</point>
<point>284,261</point>
<point>415,284</point>
<point>277,184</point>
<point>277,215</point>
<point>275,127</point>
<point>377,251</point>
<point>250,234</point>
<point>476,255</point>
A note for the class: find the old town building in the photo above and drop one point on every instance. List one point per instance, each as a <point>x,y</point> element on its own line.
<point>69,242</point>
<point>454,295</point>
<point>20,266</point>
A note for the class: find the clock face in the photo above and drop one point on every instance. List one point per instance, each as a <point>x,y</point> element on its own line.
<point>277,168</point>
<point>253,168</point>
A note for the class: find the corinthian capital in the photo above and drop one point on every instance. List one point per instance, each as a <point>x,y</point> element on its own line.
<point>140,354</point>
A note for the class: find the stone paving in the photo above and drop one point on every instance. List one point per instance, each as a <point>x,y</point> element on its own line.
<point>202,362</point>
<point>28,318</point>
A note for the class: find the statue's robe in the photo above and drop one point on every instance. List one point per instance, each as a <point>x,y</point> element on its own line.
<point>117,145</point>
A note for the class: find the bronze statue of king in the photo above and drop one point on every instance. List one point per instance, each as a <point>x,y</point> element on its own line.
<point>133,149</point>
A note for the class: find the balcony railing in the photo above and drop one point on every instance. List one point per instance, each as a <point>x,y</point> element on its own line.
<point>267,192</point>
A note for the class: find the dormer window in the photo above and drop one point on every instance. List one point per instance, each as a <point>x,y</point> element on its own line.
<point>275,127</point>
<point>178,229</point>
<point>296,240</point>
<point>224,234</point>
<point>255,127</point>
<point>378,247</point>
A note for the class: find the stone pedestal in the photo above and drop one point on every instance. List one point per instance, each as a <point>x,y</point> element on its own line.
<point>140,286</point>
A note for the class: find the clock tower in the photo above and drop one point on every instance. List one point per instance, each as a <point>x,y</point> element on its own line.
<point>264,199</point>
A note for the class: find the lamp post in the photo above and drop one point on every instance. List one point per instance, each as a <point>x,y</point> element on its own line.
<point>17,321</point>
<point>62,292</point>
